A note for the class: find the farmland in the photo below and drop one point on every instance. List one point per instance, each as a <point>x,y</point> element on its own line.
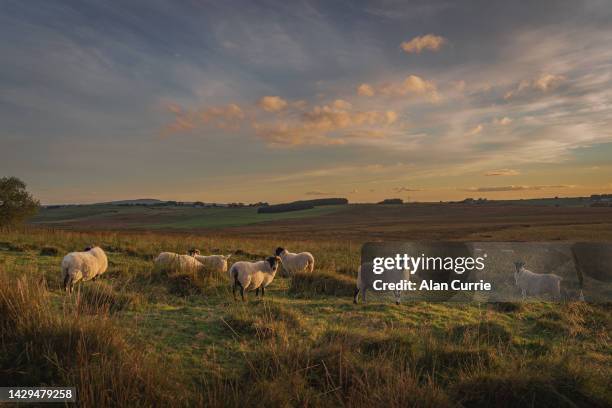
<point>168,339</point>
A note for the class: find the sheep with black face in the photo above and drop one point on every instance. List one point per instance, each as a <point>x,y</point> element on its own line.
<point>253,275</point>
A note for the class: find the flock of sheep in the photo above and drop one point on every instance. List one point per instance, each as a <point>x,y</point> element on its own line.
<point>92,262</point>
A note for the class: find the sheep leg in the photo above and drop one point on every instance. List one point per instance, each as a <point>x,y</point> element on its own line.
<point>257,293</point>
<point>242,293</point>
<point>363,295</point>
<point>356,295</point>
<point>397,297</point>
<point>262,292</point>
<point>236,284</point>
<point>524,293</point>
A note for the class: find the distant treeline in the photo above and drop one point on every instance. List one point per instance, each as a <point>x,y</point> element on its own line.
<point>301,205</point>
<point>392,201</point>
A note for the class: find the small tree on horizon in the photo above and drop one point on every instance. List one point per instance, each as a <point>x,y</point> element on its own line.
<point>16,203</point>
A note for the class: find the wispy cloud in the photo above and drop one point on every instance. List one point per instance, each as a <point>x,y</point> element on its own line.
<point>319,193</point>
<point>503,172</point>
<point>516,188</point>
<point>405,189</point>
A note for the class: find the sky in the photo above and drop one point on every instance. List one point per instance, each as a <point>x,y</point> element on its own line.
<point>245,101</point>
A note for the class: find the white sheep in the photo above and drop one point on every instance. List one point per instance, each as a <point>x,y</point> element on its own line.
<point>253,275</point>
<point>212,263</point>
<point>535,284</point>
<point>295,263</point>
<point>171,261</point>
<point>83,266</point>
<point>366,277</point>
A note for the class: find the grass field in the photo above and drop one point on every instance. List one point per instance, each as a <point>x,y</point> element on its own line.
<point>181,218</point>
<point>166,339</point>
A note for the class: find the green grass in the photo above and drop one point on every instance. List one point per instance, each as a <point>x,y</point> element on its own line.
<point>306,344</point>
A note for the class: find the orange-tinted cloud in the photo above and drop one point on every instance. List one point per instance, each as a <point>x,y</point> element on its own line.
<point>223,117</point>
<point>412,85</point>
<point>331,124</point>
<point>272,103</point>
<point>426,42</point>
<point>365,90</point>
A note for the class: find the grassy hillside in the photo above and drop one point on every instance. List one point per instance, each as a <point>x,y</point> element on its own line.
<point>159,338</point>
<point>151,217</point>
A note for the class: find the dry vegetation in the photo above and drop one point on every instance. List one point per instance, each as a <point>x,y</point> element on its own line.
<point>160,338</point>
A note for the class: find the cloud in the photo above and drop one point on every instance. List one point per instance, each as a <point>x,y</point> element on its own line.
<point>503,172</point>
<point>475,130</point>
<point>405,189</point>
<point>332,124</point>
<point>543,83</point>
<point>515,188</point>
<point>319,193</point>
<point>365,90</point>
<point>412,85</point>
<point>272,103</point>
<point>502,121</point>
<point>426,42</point>
<point>227,117</point>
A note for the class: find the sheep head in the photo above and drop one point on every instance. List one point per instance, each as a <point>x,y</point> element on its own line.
<point>519,266</point>
<point>279,251</point>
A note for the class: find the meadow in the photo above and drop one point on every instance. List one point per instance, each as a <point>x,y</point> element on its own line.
<point>161,338</point>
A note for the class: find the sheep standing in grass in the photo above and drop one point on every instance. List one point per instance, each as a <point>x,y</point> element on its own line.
<point>83,266</point>
<point>366,277</point>
<point>295,263</point>
<point>534,284</point>
<point>253,275</point>
<point>170,261</point>
<point>212,263</point>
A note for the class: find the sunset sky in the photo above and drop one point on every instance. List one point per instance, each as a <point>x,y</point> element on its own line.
<point>276,101</point>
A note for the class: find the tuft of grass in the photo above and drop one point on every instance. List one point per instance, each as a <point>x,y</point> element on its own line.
<point>99,297</point>
<point>322,283</point>
<point>548,385</point>
<point>486,332</point>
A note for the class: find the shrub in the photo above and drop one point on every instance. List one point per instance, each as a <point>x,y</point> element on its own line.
<point>49,251</point>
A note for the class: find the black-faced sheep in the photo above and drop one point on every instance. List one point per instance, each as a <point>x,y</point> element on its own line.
<point>253,275</point>
<point>83,266</point>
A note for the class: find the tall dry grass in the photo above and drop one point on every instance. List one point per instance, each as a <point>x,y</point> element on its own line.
<point>41,345</point>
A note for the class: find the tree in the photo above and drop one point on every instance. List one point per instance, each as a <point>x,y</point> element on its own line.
<point>16,204</point>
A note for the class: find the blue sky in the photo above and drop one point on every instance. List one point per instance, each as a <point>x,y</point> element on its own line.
<point>249,101</point>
